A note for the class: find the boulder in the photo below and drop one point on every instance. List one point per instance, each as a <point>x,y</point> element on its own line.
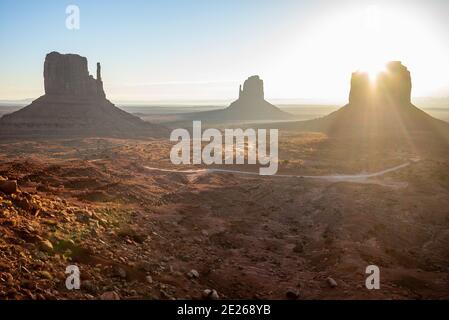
<point>8,186</point>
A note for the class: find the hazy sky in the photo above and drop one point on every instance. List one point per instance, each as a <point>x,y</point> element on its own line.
<point>203,49</point>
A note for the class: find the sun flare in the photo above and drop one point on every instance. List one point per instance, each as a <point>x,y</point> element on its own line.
<point>373,70</point>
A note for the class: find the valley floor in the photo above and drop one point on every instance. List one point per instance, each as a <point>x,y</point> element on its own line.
<point>138,234</point>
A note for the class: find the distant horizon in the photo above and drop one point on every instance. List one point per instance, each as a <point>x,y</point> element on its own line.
<point>218,102</point>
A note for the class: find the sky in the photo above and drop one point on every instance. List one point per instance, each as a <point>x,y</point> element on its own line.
<point>201,50</point>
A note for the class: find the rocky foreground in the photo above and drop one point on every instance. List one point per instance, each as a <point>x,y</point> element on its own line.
<point>136,234</point>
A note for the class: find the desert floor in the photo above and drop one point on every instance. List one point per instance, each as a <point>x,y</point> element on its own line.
<point>137,233</point>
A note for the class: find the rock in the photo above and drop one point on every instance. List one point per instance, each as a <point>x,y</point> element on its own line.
<point>24,203</point>
<point>210,294</point>
<point>4,266</point>
<point>205,233</point>
<point>331,282</point>
<point>46,245</point>
<point>361,89</point>
<point>132,234</point>
<point>166,295</point>
<point>83,216</point>
<point>292,294</point>
<point>45,274</point>
<point>250,105</point>
<point>119,272</point>
<point>149,279</point>
<point>8,186</point>
<point>214,295</point>
<point>197,240</point>
<point>88,286</point>
<point>299,248</point>
<point>66,243</point>
<point>193,274</point>
<point>381,110</point>
<point>145,266</point>
<point>9,279</point>
<point>392,87</point>
<point>395,84</point>
<point>252,89</point>
<point>207,293</point>
<point>110,295</point>
<point>68,75</point>
<point>74,105</point>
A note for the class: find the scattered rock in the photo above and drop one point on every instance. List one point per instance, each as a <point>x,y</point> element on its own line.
<point>331,282</point>
<point>83,216</point>
<point>24,203</point>
<point>292,294</point>
<point>88,286</point>
<point>166,295</point>
<point>110,295</point>
<point>9,279</point>
<point>299,248</point>
<point>145,266</point>
<point>47,275</point>
<point>210,294</point>
<point>4,266</point>
<point>46,245</point>
<point>119,272</point>
<point>132,234</point>
<point>193,274</point>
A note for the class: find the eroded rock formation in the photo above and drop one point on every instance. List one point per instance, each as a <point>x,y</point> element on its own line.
<point>74,104</point>
<point>392,87</point>
<point>252,89</point>
<point>251,105</point>
<point>381,110</point>
<point>68,75</point>
<point>395,84</point>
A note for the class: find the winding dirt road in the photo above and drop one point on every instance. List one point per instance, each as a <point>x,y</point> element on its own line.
<point>333,178</point>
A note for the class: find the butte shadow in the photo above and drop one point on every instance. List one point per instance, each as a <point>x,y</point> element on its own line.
<point>74,105</point>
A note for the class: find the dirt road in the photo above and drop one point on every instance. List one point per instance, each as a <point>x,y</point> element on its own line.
<point>333,178</point>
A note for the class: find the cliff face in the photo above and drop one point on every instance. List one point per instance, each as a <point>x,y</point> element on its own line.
<point>392,87</point>
<point>252,89</point>
<point>361,88</point>
<point>395,84</point>
<point>68,75</point>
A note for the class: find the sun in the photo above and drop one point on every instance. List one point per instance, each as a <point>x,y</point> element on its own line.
<point>373,69</point>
